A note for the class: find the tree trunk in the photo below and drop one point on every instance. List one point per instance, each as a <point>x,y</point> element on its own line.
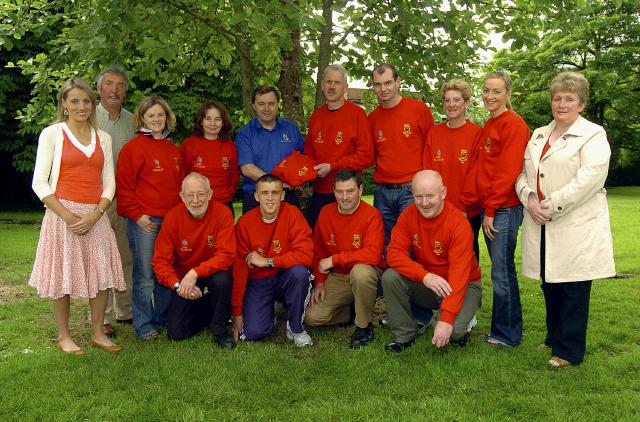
<point>289,83</point>
<point>247,75</point>
<point>324,48</point>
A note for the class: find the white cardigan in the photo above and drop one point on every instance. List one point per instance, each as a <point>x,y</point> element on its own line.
<point>47,168</point>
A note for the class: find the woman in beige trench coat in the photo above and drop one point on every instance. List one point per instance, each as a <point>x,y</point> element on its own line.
<point>566,234</point>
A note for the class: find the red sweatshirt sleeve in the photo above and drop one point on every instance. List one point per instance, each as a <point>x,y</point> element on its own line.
<point>164,256</point>
<point>127,171</point>
<point>460,262</point>
<point>240,277</point>
<point>301,246</point>
<point>514,136</point>
<point>225,244</point>
<point>399,248</point>
<point>373,243</point>
<point>319,252</point>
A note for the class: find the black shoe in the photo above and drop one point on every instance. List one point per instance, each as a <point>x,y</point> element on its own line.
<point>224,341</point>
<point>462,342</point>
<point>362,336</point>
<point>125,321</point>
<point>397,347</point>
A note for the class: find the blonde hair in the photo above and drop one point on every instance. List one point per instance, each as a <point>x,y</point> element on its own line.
<point>573,82</point>
<point>501,74</point>
<point>456,85</point>
<point>67,86</point>
<point>146,104</point>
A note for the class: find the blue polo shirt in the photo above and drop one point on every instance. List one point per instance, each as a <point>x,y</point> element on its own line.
<point>265,148</point>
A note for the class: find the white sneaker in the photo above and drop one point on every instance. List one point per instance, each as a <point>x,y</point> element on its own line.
<point>472,323</point>
<point>300,339</point>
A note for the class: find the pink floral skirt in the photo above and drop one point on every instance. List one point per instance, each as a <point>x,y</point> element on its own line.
<point>73,264</point>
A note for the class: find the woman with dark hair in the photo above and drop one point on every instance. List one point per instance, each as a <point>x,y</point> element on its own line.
<point>566,235</point>
<point>504,139</point>
<point>211,152</point>
<point>148,178</point>
<point>77,254</point>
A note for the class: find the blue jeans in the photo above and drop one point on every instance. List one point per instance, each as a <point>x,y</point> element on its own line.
<point>391,201</point>
<point>149,300</point>
<point>506,316</point>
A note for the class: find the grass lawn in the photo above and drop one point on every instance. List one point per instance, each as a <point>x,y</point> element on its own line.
<point>274,380</point>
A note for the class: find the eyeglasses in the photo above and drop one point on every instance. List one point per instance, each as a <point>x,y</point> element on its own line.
<point>198,195</point>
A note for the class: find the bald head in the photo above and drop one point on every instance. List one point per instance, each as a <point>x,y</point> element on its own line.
<point>428,193</point>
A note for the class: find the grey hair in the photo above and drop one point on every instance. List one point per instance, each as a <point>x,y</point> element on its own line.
<point>114,69</point>
<point>197,176</point>
<point>338,68</point>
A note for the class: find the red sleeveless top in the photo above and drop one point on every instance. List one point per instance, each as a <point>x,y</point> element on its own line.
<point>80,177</point>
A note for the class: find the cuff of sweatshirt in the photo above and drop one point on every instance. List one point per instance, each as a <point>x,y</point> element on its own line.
<point>446,316</point>
<point>236,310</point>
<point>319,278</point>
<point>490,212</point>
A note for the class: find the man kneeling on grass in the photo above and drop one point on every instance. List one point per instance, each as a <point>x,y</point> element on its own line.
<point>273,255</point>
<point>347,252</point>
<point>432,266</point>
<point>193,255</point>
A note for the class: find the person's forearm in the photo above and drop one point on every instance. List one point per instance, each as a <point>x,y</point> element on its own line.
<point>252,171</point>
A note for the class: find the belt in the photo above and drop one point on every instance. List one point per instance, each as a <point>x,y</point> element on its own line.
<point>395,185</point>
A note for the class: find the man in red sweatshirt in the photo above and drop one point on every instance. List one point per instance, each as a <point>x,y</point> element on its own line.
<point>339,137</point>
<point>432,267</point>
<point>347,255</point>
<point>195,250</point>
<point>274,251</point>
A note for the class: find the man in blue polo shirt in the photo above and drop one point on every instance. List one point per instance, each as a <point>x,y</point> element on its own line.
<point>264,142</point>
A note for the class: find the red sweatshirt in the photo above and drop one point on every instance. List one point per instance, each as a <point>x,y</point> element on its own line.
<point>215,159</point>
<point>399,135</point>
<point>453,152</point>
<point>341,138</point>
<point>148,177</point>
<point>504,139</point>
<point>349,239</point>
<point>442,245</point>
<point>287,240</point>
<point>206,245</point>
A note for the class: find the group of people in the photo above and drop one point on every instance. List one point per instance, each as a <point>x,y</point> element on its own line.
<point>170,255</point>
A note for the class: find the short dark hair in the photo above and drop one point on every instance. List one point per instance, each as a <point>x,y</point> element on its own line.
<point>381,68</point>
<point>264,89</point>
<point>344,175</point>
<point>268,178</point>
<point>227,126</point>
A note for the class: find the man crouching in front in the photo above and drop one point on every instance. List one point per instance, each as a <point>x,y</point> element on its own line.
<point>273,255</point>
<point>194,251</point>
<point>432,267</point>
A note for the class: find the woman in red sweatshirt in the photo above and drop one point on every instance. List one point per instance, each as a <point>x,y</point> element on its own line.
<point>148,177</point>
<point>504,139</point>
<point>211,152</point>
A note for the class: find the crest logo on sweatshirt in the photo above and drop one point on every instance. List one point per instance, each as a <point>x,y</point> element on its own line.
<point>276,246</point>
<point>210,240</point>
<point>157,166</point>
<point>198,162</point>
<point>416,240</point>
<point>438,156</point>
<point>225,162</point>
<point>464,156</point>
<point>176,160</point>
<point>437,247</point>
<point>381,137</point>
<point>285,138</point>
<point>356,240</point>
<point>318,139</point>
<point>487,145</point>
<point>184,246</point>
<point>332,240</point>
<point>406,130</point>
<point>303,171</point>
<point>338,138</point>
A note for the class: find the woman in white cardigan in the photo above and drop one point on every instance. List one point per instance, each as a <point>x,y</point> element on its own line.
<point>77,254</point>
<point>566,234</point>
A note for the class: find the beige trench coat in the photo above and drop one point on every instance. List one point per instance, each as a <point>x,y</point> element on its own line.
<point>572,175</point>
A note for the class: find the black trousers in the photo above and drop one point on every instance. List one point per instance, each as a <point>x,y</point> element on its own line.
<point>567,306</point>
<point>213,309</point>
<point>249,201</point>
<point>315,204</point>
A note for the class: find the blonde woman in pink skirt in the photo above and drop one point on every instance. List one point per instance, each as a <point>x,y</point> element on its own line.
<point>77,254</point>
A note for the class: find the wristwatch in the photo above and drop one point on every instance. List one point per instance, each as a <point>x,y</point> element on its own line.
<point>270,262</point>
<point>176,286</point>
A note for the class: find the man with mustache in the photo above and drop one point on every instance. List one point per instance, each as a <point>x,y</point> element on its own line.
<point>117,122</point>
<point>338,137</point>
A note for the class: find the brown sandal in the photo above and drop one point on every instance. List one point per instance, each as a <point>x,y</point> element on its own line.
<point>558,363</point>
